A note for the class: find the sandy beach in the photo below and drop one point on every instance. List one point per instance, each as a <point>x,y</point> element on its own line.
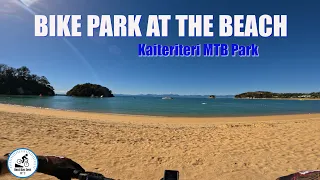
<point>128,147</point>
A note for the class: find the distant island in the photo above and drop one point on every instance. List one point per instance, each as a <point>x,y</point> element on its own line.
<point>212,97</point>
<point>21,82</point>
<point>271,95</point>
<point>90,90</point>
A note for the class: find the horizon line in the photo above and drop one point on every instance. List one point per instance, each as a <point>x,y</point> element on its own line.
<point>163,94</point>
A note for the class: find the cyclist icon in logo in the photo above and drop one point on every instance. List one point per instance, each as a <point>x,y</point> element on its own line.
<point>23,160</point>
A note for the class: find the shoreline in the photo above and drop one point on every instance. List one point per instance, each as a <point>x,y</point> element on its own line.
<point>142,147</point>
<point>296,99</point>
<point>204,97</point>
<point>147,119</point>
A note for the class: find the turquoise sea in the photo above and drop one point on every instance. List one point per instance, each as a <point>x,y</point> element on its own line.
<point>179,106</point>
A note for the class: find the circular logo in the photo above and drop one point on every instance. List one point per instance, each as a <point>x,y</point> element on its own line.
<point>22,163</point>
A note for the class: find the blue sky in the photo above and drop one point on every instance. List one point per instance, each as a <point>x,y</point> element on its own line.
<point>285,64</point>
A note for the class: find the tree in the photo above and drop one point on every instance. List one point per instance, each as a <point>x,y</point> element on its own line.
<point>23,72</point>
<point>88,90</point>
<point>44,81</point>
<point>21,82</point>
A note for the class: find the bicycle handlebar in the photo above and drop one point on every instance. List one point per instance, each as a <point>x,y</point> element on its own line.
<point>92,176</point>
<point>97,176</point>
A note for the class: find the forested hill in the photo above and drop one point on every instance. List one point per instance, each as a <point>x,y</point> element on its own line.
<point>266,94</point>
<point>21,82</point>
<point>90,90</point>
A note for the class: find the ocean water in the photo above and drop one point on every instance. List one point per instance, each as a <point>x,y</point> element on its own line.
<point>155,106</point>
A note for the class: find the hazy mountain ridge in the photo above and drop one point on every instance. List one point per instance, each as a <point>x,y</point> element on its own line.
<point>176,95</point>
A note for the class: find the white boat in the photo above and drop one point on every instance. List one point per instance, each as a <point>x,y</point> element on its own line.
<point>167,98</point>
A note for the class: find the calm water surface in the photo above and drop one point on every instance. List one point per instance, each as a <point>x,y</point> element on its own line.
<point>177,107</point>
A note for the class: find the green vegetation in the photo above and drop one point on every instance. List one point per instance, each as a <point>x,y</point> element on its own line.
<point>21,82</point>
<point>266,94</point>
<point>90,90</point>
<point>315,95</point>
<point>212,96</point>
